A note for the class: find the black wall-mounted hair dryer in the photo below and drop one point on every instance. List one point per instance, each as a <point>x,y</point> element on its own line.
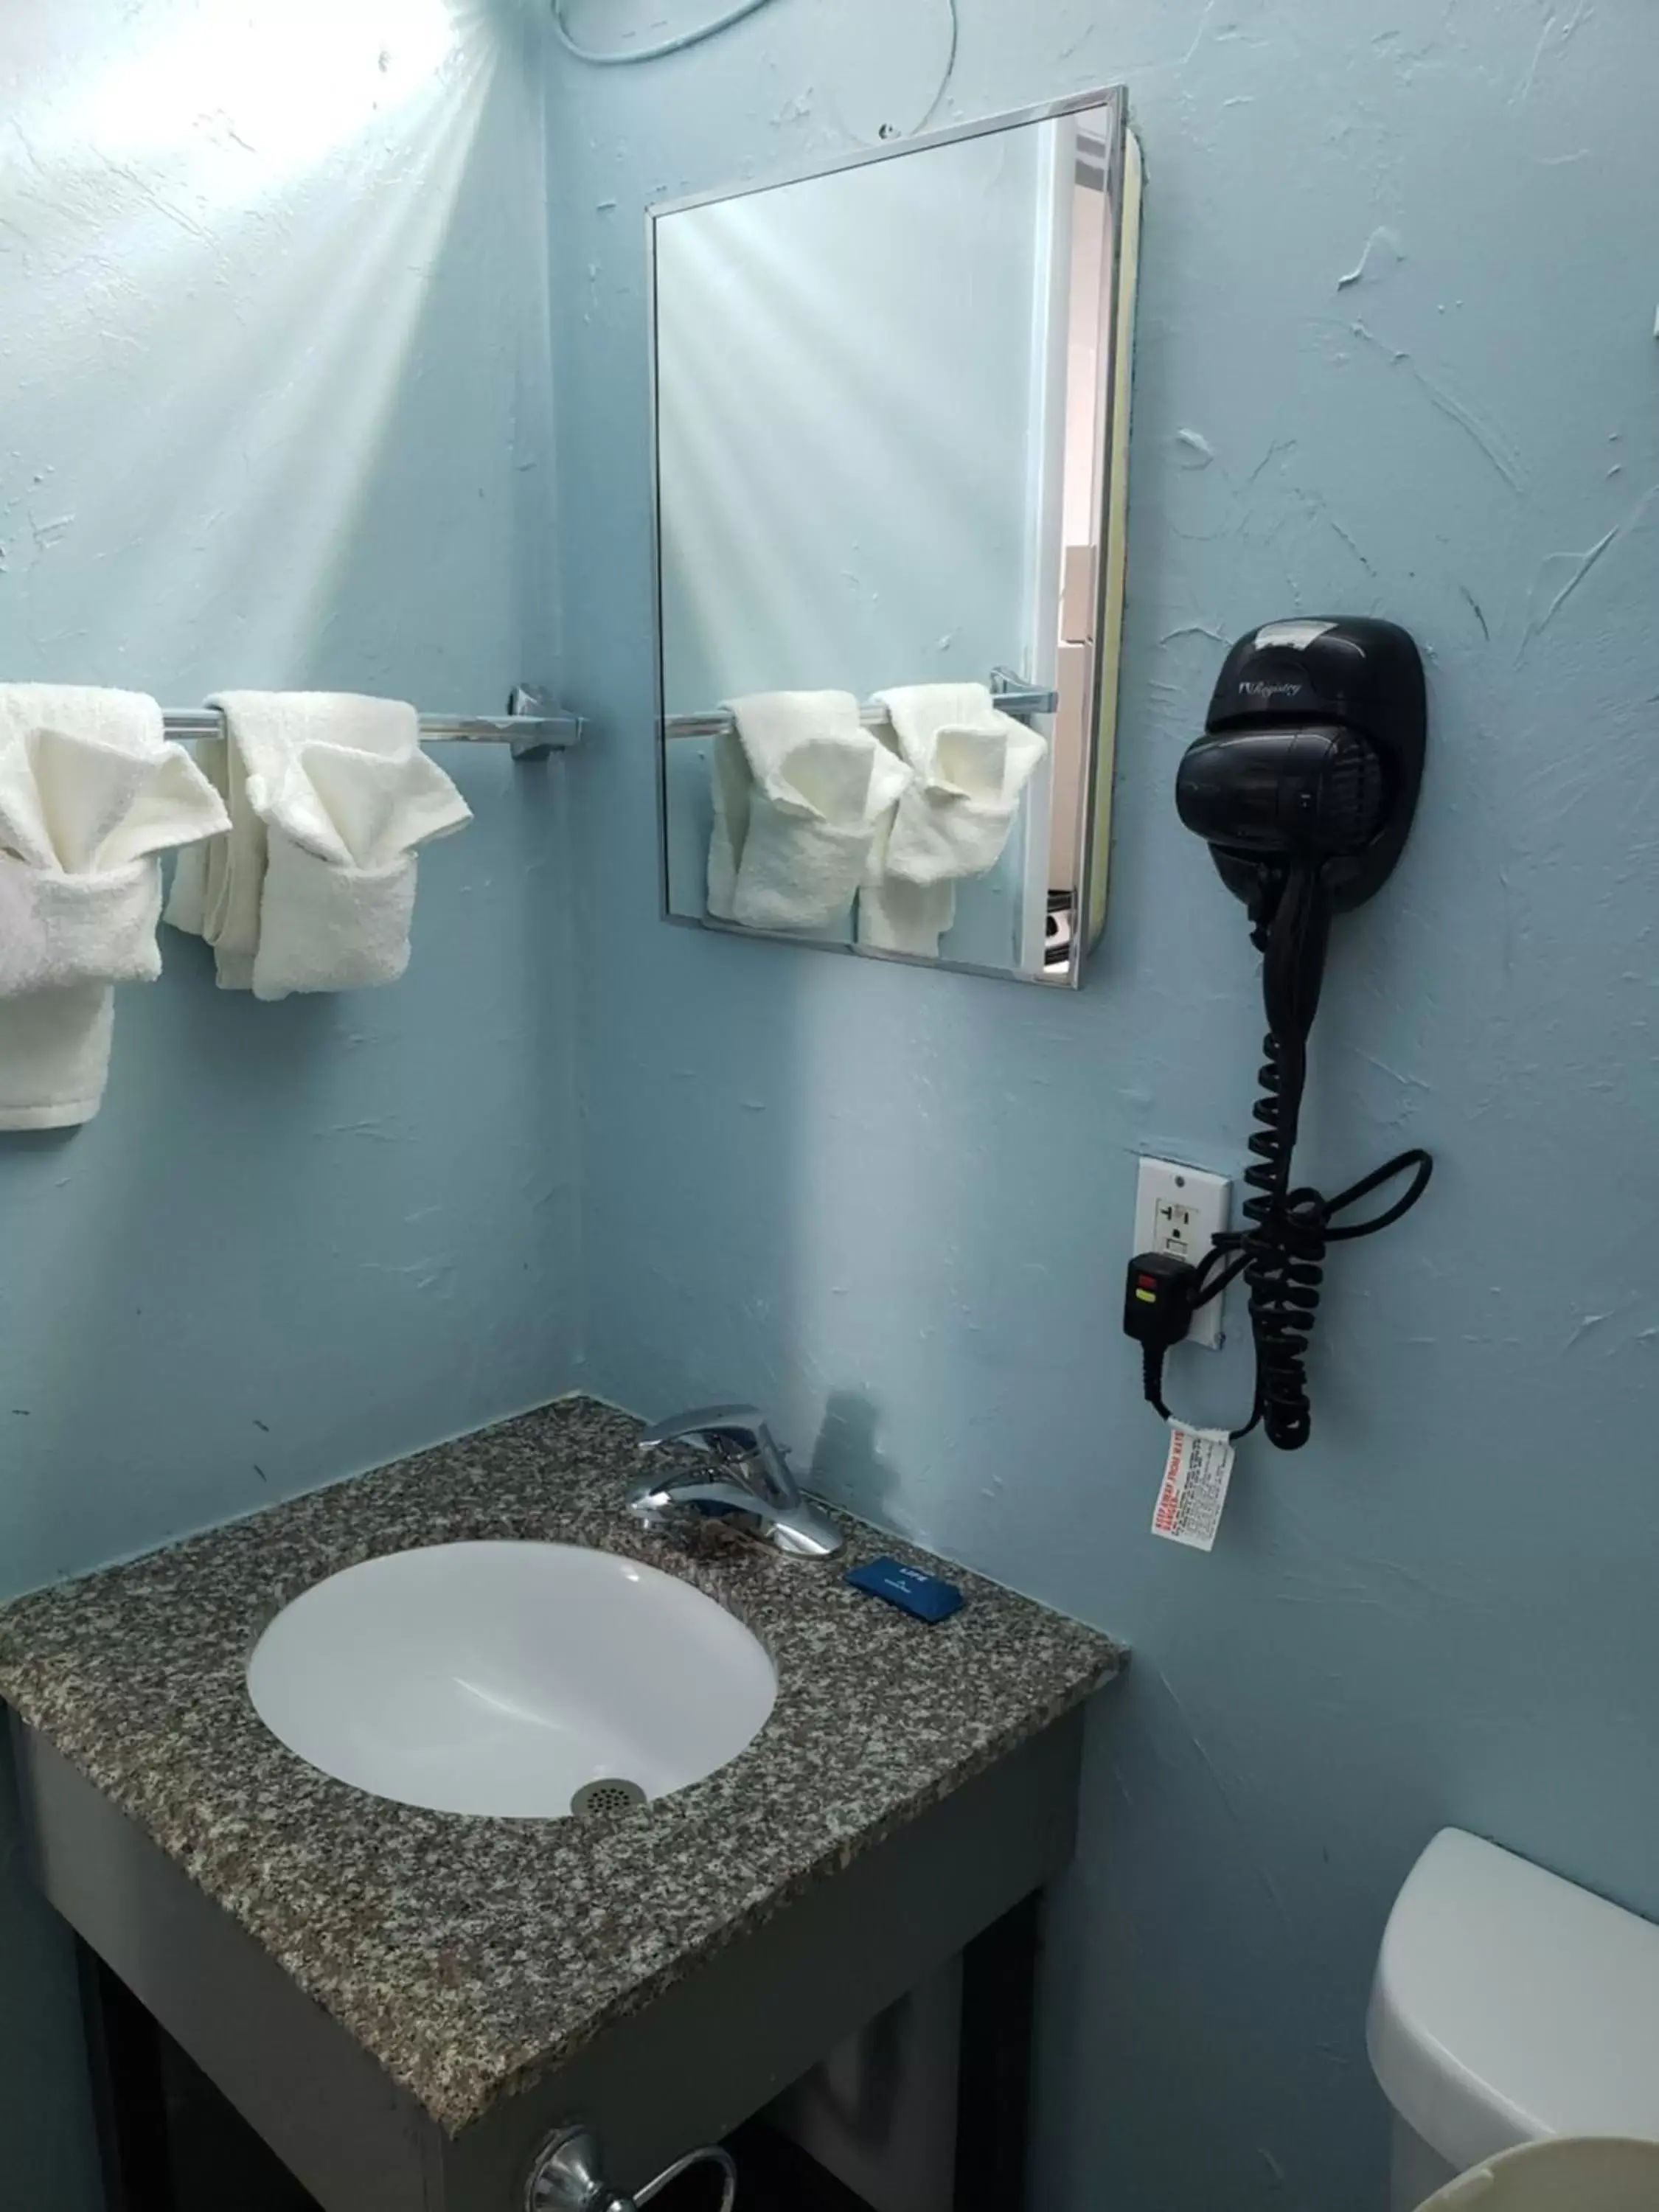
<point>1304,783</point>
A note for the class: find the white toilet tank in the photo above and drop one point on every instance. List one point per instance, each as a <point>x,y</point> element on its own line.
<point>1508,2004</point>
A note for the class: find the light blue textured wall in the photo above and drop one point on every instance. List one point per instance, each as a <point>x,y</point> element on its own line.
<point>275,393</point>
<point>1396,354</point>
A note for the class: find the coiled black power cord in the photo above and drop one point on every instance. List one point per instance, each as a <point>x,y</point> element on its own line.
<point>1281,1253</point>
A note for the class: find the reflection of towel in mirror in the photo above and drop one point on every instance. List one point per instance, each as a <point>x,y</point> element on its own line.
<point>896,916</point>
<point>969,764</point>
<point>90,793</point>
<point>330,798</point>
<point>798,790</point>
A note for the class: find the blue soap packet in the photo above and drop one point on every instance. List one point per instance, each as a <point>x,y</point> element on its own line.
<point>908,1588</point>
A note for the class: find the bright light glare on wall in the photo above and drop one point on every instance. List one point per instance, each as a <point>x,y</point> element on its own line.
<point>286,80</point>
<point>222,234</point>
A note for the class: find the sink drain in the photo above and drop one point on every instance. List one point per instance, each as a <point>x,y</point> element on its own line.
<point>613,1795</point>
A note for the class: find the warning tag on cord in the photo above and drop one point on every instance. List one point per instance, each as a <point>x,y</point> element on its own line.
<point>1195,1487</point>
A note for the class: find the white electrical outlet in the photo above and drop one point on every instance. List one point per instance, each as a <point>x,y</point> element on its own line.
<point>1181,1211</point>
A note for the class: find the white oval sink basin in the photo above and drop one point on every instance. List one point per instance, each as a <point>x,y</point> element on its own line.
<point>506,1677</point>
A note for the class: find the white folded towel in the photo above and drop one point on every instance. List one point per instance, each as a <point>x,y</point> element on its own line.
<point>896,916</point>
<point>54,1056</point>
<point>801,791</point>
<point>90,793</point>
<point>970,764</point>
<point>731,786</point>
<point>330,798</point>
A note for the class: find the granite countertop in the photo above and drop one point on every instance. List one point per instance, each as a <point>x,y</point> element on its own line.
<point>470,1955</point>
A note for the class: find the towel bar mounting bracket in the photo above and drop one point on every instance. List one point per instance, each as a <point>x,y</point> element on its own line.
<point>548,728</point>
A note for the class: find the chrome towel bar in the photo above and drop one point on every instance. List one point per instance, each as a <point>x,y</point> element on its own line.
<point>533,726</point>
<point>1012,696</point>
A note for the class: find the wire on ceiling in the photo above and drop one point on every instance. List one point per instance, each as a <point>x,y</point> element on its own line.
<point>613,57</point>
<point>605,58</point>
<point>937,99</point>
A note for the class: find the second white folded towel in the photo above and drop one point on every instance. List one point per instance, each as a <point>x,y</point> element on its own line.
<point>330,799</point>
<point>801,791</point>
<point>969,765</point>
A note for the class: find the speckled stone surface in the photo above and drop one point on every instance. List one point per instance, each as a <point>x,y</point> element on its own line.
<point>471,1955</point>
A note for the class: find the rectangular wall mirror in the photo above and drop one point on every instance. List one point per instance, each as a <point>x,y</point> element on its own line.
<point>891,418</point>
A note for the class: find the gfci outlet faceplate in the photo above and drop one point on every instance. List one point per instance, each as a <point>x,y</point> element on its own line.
<point>1181,1211</point>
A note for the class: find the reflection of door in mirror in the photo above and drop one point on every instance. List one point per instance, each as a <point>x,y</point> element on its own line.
<point>1080,256</point>
<point>883,429</point>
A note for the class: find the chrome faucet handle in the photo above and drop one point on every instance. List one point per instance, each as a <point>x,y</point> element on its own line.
<point>741,1424</point>
<point>754,1482</point>
<point>739,1436</point>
